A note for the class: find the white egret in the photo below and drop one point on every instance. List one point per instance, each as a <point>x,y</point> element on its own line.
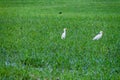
<point>98,36</point>
<point>63,34</point>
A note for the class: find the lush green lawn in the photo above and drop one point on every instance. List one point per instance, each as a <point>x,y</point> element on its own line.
<point>31,47</point>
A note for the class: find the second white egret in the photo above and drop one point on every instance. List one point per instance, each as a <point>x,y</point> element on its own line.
<point>98,36</point>
<point>63,34</point>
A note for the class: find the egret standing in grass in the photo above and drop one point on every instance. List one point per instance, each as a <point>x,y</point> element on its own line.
<point>63,34</point>
<point>98,36</point>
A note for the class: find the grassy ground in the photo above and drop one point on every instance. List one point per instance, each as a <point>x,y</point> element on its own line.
<point>31,47</point>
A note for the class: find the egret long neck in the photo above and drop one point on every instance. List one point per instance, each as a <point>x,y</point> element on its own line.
<point>64,31</point>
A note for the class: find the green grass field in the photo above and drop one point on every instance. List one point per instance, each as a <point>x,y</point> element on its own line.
<point>31,47</point>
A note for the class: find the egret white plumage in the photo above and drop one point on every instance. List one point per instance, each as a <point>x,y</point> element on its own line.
<point>63,34</point>
<point>98,36</point>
